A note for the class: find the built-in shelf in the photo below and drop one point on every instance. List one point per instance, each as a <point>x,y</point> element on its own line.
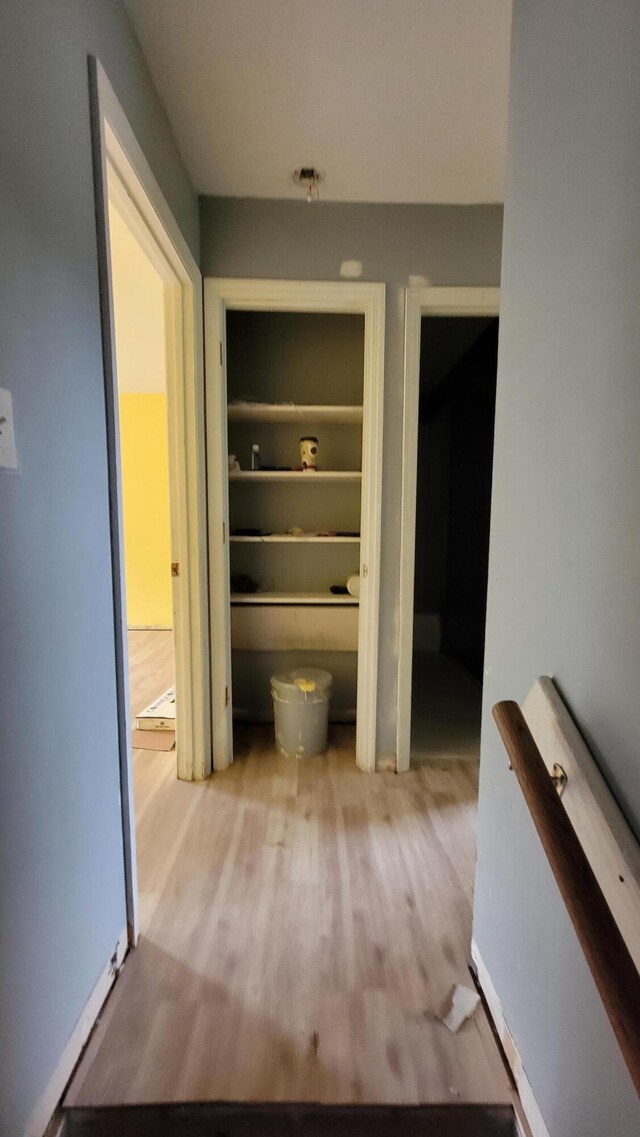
<point>287,539</point>
<point>294,627</point>
<point>308,476</point>
<point>293,412</point>
<point>291,598</point>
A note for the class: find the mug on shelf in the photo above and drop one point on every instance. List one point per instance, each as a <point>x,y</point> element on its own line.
<point>309,453</point>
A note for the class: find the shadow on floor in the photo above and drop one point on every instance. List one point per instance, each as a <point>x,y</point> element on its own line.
<point>446,711</point>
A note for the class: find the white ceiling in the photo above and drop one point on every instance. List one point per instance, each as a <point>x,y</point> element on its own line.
<point>395,100</point>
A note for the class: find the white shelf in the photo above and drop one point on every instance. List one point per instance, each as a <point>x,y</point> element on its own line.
<point>287,539</point>
<point>291,598</point>
<point>293,412</point>
<point>318,476</point>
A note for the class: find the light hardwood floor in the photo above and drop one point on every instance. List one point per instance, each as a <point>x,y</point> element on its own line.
<point>151,667</point>
<point>301,920</point>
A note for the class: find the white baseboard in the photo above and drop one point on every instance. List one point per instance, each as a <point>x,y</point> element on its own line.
<point>530,1107</point>
<point>149,628</point>
<point>49,1100</point>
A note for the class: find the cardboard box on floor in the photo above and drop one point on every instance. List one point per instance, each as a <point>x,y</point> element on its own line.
<point>153,739</point>
<point>160,714</point>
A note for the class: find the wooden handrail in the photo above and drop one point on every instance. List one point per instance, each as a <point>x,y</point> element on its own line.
<point>606,952</point>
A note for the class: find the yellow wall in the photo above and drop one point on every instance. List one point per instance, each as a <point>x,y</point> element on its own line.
<point>145,490</point>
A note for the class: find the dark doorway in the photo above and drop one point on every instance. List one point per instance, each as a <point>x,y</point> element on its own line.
<point>458,364</point>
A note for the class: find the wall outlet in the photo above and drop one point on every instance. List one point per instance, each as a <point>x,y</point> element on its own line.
<point>8,455</point>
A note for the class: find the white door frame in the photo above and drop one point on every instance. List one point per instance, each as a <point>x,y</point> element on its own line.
<point>294,296</point>
<point>420,302</point>
<point>123,176</point>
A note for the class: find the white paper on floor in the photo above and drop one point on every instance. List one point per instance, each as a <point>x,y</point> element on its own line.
<point>460,1004</point>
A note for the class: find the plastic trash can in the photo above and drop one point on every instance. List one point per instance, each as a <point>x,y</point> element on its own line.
<point>301,711</point>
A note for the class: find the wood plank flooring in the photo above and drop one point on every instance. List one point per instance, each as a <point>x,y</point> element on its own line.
<point>151,667</point>
<point>301,921</point>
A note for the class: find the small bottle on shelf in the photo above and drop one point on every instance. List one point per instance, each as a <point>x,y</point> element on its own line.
<point>255,456</point>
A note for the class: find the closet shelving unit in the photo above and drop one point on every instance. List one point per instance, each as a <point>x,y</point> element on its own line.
<point>244,417</point>
<point>294,613</point>
<point>294,533</point>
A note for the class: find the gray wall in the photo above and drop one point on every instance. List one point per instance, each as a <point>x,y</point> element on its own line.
<point>307,356</point>
<point>60,831</point>
<point>565,553</point>
<point>448,245</point>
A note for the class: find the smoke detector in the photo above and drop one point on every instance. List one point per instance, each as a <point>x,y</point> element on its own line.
<point>310,177</point>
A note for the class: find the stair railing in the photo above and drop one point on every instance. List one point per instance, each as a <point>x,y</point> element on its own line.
<point>611,964</point>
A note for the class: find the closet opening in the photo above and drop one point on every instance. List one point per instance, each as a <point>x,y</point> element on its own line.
<point>295,381</point>
<point>294,398</point>
<point>458,363</point>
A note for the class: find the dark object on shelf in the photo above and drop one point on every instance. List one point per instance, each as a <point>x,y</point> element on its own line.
<point>255,456</point>
<point>347,533</point>
<point>339,590</point>
<point>240,582</point>
<point>249,533</point>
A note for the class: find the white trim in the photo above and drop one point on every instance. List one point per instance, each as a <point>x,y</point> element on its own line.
<point>530,1107</point>
<point>47,1104</point>
<point>218,498</point>
<point>145,191</point>
<point>295,296</point>
<point>420,302</point>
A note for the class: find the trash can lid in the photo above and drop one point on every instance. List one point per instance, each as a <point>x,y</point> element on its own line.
<point>301,683</point>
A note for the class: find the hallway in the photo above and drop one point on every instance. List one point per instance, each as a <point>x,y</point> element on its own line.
<point>300,923</point>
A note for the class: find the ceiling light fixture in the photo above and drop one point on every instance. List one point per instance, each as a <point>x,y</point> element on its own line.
<point>310,177</point>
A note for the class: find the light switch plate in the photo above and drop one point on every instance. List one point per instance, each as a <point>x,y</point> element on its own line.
<point>8,455</point>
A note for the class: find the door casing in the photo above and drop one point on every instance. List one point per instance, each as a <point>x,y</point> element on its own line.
<point>222,295</point>
<point>123,175</point>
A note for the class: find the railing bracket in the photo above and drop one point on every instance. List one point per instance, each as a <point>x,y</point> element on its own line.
<point>559,777</point>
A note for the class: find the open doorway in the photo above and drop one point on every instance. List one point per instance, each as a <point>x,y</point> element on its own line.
<point>450,383</point>
<point>458,364</point>
<point>139,324</point>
